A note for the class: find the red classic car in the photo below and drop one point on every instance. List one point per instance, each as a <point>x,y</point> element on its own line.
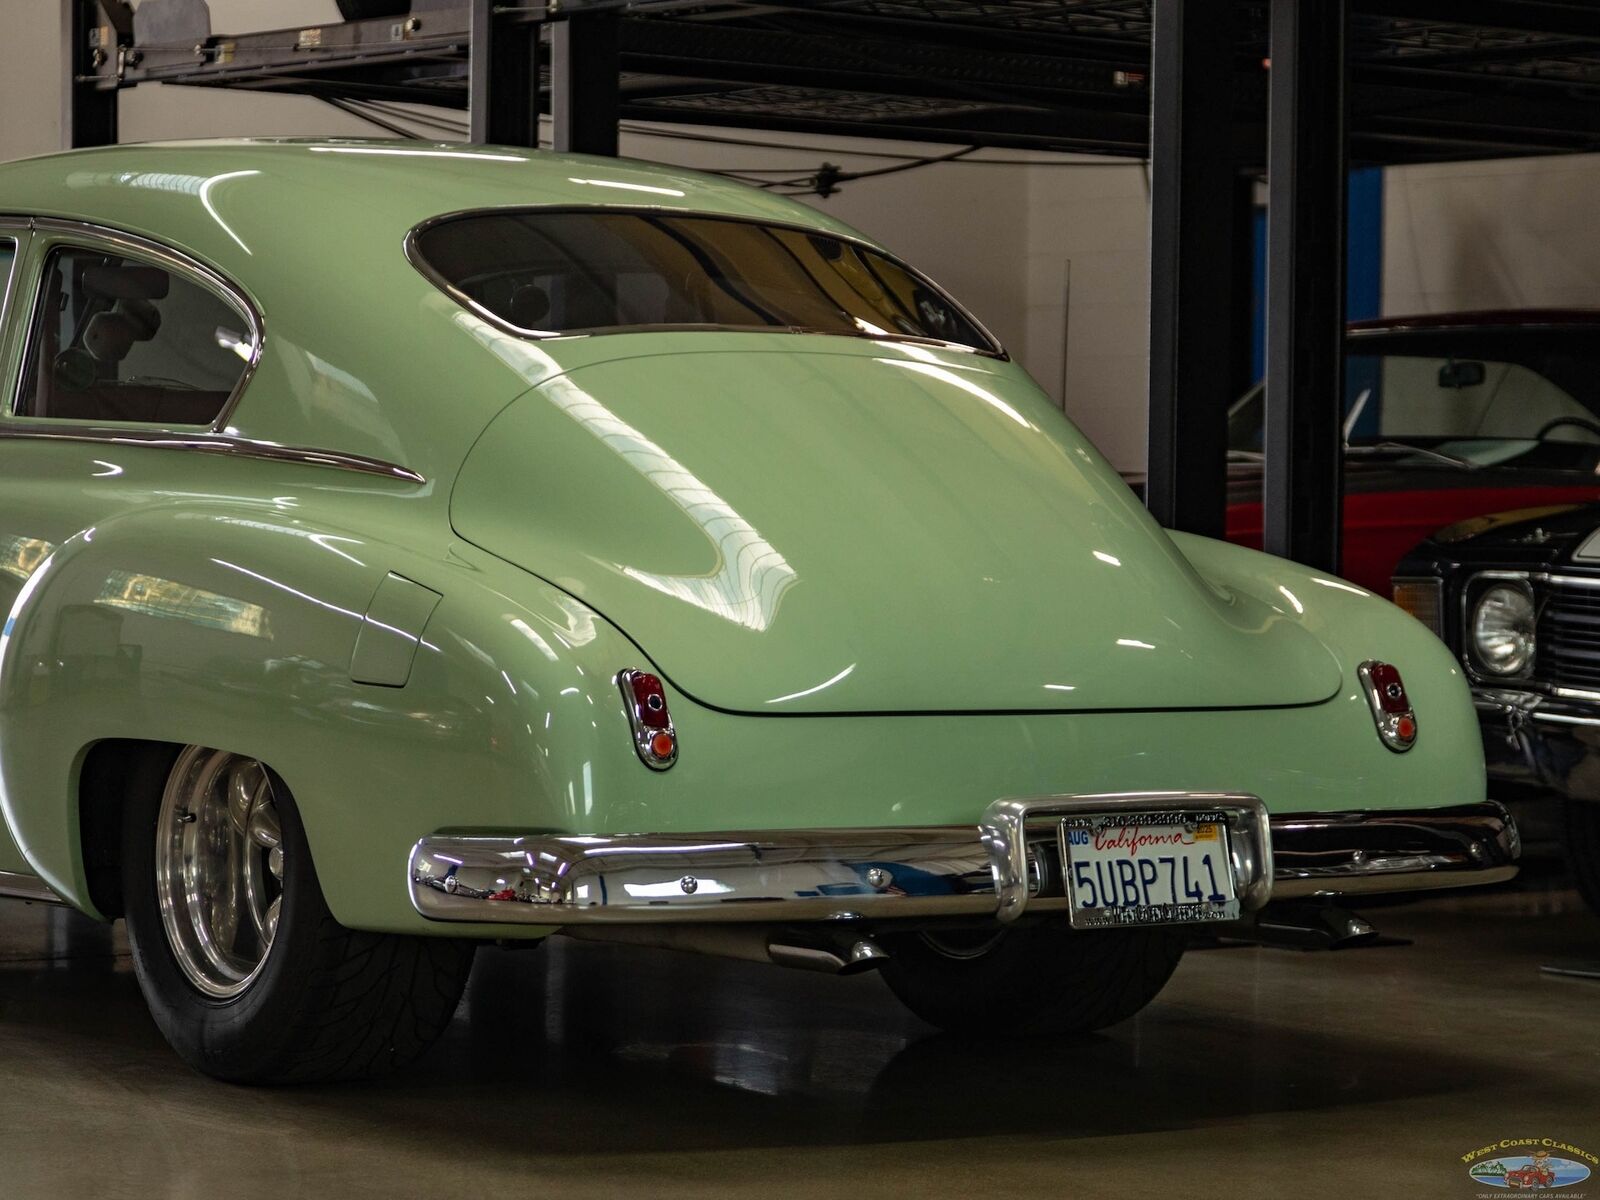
<point>1447,417</point>
<point>1535,1175</point>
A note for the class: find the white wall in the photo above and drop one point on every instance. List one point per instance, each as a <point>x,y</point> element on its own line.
<point>1088,298</point>
<point>30,77</point>
<point>1512,233</point>
<point>1004,239</point>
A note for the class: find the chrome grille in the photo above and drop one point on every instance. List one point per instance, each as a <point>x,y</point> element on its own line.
<point>1568,647</point>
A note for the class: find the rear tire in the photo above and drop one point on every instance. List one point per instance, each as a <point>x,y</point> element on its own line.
<point>244,969</point>
<point>1037,980</point>
<point>1583,849</point>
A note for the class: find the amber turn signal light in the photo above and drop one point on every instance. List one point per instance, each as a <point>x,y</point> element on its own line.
<point>1421,598</point>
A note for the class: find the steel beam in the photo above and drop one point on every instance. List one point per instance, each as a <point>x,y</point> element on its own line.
<point>502,78</point>
<point>88,40</point>
<point>1192,264</point>
<point>585,82</point>
<point>1580,20</point>
<point>1306,181</point>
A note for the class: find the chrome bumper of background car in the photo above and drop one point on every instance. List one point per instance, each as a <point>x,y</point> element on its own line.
<point>1542,740</point>
<point>1008,863</point>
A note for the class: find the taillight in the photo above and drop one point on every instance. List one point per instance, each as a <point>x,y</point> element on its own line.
<point>1391,707</point>
<point>654,738</point>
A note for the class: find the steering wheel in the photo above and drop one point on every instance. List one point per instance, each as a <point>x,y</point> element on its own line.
<point>1580,422</point>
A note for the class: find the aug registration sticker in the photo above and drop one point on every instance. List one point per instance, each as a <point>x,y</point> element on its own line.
<point>1530,1164</point>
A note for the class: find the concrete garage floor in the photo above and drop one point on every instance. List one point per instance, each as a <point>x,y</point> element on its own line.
<point>593,1071</point>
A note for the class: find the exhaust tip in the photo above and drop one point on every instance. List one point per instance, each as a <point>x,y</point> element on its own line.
<point>850,957</point>
<point>863,955</point>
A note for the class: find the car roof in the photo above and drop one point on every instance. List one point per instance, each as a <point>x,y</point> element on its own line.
<point>362,353</point>
<point>228,199</point>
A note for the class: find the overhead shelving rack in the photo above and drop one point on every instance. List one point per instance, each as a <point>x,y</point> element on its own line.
<point>1204,89</point>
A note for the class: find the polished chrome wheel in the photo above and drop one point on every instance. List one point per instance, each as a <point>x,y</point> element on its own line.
<point>219,868</point>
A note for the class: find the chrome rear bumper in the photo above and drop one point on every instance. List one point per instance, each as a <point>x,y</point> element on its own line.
<point>1008,863</point>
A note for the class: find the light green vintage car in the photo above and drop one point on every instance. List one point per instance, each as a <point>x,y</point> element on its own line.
<point>405,546</point>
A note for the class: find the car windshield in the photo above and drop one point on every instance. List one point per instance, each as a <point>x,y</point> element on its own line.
<point>1520,396</point>
<point>550,272</point>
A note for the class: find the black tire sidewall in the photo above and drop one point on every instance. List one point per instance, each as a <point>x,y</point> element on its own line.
<point>242,1037</point>
<point>1583,849</point>
<point>1038,979</point>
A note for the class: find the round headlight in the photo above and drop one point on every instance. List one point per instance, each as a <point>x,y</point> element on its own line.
<point>1503,629</point>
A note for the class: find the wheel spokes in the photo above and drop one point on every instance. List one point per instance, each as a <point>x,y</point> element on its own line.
<point>219,868</point>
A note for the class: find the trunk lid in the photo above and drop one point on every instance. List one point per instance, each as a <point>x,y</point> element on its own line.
<point>814,525</point>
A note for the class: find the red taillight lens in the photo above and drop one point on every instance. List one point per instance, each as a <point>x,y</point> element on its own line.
<point>1391,707</point>
<point>1391,689</point>
<point>654,738</point>
<point>650,698</point>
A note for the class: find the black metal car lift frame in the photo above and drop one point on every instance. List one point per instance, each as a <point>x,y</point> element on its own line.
<point>1183,81</point>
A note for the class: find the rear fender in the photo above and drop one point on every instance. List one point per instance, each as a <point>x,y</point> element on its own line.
<point>234,627</point>
<point>1446,764</point>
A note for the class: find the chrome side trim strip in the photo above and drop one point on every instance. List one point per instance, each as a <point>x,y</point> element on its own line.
<point>216,443</point>
<point>831,874</point>
<point>27,887</point>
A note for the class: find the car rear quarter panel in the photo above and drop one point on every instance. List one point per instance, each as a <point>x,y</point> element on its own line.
<point>224,612</point>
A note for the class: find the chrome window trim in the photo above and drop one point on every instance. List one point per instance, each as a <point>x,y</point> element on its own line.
<point>215,437</point>
<point>15,232</point>
<point>61,231</point>
<point>995,351</point>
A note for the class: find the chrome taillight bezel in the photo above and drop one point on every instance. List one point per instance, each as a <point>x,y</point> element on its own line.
<point>655,737</point>
<point>1392,713</point>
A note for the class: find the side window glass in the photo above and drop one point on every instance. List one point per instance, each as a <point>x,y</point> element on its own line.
<point>117,339</point>
<point>8,256</point>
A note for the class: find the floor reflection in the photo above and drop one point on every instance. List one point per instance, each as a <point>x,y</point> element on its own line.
<point>676,1074</point>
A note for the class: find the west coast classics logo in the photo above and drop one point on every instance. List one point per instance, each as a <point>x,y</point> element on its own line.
<point>1530,1165</point>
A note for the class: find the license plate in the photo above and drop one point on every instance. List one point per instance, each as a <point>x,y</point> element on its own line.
<point>1148,869</point>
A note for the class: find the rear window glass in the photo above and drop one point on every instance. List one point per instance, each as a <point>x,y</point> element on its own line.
<point>554,272</point>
